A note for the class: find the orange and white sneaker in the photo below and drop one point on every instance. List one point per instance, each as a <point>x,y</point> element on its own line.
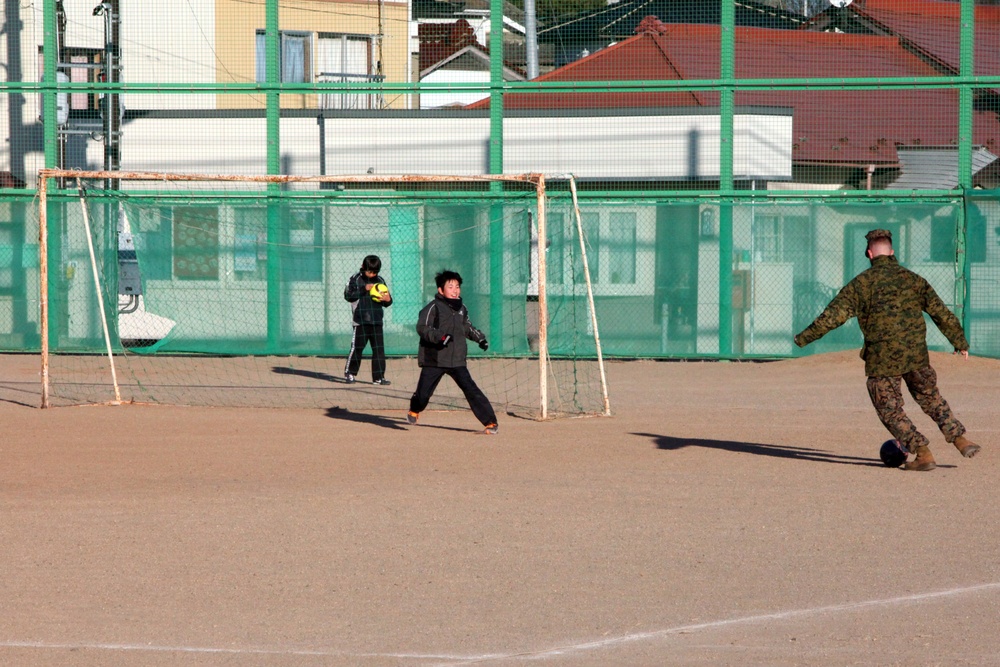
<point>411,417</point>
<point>491,428</point>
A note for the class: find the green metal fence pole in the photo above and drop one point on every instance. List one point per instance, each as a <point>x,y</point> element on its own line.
<point>50,138</point>
<point>272,68</point>
<point>727,57</point>
<point>50,58</point>
<point>496,167</point>
<point>966,68</point>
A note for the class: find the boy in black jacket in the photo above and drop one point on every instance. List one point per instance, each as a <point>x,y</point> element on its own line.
<point>367,319</point>
<point>443,326</point>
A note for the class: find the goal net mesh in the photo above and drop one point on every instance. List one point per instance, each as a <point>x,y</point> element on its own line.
<point>231,292</point>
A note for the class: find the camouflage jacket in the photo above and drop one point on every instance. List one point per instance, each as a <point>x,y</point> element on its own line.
<point>889,302</point>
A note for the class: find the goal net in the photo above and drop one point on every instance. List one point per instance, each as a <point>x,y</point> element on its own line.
<point>230,290</point>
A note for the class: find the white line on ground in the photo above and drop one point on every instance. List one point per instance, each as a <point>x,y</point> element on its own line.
<point>457,661</point>
<point>745,620</point>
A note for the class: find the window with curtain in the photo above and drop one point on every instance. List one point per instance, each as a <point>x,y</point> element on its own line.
<point>295,55</point>
<point>344,58</point>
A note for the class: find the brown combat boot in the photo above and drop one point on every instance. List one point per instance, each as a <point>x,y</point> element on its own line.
<point>923,461</point>
<point>966,447</point>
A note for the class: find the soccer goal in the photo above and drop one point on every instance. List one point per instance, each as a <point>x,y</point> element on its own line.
<point>228,290</point>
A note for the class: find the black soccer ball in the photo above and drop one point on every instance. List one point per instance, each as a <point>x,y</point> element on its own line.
<point>893,453</point>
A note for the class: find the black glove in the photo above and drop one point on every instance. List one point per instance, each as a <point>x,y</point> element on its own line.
<point>445,339</point>
<point>484,345</point>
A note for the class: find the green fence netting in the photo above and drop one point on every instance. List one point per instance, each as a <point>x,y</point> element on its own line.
<point>729,156</point>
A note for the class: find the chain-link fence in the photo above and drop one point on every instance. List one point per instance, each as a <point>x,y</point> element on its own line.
<point>730,158</point>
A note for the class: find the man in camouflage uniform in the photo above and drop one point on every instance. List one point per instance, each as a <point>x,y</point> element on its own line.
<point>889,302</point>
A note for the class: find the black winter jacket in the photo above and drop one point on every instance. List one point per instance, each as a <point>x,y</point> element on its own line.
<point>366,310</point>
<point>441,318</point>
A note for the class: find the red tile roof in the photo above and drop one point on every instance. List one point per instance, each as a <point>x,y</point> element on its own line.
<point>934,28</point>
<point>829,126</point>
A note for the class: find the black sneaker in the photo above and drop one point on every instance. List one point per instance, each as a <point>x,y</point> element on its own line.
<point>348,378</point>
<point>382,381</point>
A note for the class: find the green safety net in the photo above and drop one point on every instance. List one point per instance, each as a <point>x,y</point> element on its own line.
<point>730,158</point>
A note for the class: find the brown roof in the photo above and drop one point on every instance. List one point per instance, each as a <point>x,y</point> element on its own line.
<point>9,180</point>
<point>841,127</point>
<point>440,40</point>
<point>934,28</point>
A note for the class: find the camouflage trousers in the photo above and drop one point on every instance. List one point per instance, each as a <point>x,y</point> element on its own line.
<point>922,384</point>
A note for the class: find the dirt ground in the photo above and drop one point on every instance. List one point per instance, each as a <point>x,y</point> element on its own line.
<point>727,514</point>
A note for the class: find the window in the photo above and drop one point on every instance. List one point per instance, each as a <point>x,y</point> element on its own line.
<point>767,239</point>
<point>196,243</point>
<point>300,250</point>
<point>303,261</point>
<point>344,58</point>
<point>556,247</point>
<point>84,71</point>
<point>781,238</point>
<point>943,235</point>
<point>295,57</point>
<point>154,244</point>
<point>621,248</point>
<point>250,244</point>
<point>592,238</point>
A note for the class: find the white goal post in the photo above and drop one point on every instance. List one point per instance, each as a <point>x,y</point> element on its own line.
<point>265,187</point>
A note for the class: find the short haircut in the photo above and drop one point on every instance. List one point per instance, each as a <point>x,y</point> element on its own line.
<point>880,244</point>
<point>442,278</point>
<point>371,263</point>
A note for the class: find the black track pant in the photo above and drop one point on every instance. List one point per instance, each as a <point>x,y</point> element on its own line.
<point>364,334</point>
<point>428,382</point>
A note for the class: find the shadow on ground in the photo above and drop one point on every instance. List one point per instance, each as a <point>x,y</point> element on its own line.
<point>670,443</point>
<point>358,385</point>
<point>22,390</point>
<point>315,375</point>
<point>393,423</point>
<point>336,412</point>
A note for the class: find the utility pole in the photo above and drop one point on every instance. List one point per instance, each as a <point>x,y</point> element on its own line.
<point>530,39</point>
<point>110,10</point>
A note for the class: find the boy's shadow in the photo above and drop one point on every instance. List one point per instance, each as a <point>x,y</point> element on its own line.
<point>316,375</point>
<point>336,412</point>
<point>359,385</point>
<point>670,443</point>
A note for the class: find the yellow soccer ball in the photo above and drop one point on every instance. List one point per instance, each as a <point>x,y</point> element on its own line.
<point>378,291</point>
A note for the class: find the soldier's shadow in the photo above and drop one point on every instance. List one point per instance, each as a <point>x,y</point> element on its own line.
<point>671,443</point>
